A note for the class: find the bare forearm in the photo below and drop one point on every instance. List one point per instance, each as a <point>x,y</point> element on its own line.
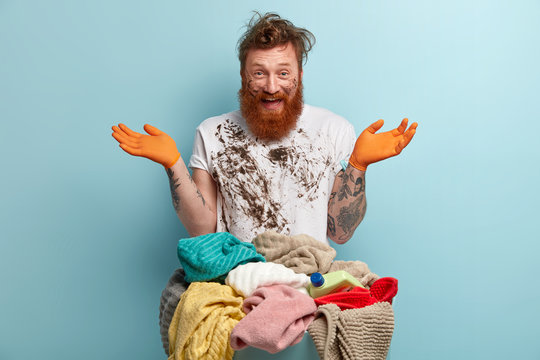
<point>194,211</point>
<point>347,204</point>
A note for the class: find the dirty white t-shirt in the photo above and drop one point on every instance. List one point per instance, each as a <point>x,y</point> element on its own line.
<point>281,185</point>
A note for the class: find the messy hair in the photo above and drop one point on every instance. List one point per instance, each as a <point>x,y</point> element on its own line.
<point>270,30</point>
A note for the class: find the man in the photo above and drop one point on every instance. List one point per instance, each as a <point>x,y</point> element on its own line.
<point>275,163</point>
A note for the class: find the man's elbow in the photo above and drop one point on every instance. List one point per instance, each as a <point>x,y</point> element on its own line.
<point>199,231</point>
<point>201,226</point>
<point>339,238</point>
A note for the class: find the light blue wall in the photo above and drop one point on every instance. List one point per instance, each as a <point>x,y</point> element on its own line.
<point>88,233</point>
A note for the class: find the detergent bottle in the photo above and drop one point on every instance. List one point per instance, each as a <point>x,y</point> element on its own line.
<point>337,281</point>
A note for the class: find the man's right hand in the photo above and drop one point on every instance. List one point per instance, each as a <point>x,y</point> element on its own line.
<point>157,146</point>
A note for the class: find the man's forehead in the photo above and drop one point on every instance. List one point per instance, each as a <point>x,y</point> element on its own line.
<point>283,55</point>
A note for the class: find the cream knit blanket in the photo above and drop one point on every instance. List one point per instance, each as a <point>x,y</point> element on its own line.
<point>247,278</point>
<point>355,334</point>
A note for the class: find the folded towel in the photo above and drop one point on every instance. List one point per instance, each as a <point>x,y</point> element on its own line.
<point>301,253</point>
<point>383,289</point>
<point>202,322</point>
<point>245,279</point>
<point>276,317</point>
<point>167,305</point>
<point>359,334</point>
<point>358,269</point>
<point>212,256</point>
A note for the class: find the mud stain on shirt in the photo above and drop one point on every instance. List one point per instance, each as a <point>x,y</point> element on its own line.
<point>304,165</point>
<point>279,155</point>
<point>245,182</point>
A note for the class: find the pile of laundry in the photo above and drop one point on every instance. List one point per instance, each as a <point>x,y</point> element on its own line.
<point>230,294</point>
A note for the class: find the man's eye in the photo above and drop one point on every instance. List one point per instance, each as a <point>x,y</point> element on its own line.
<point>258,73</point>
<point>284,73</point>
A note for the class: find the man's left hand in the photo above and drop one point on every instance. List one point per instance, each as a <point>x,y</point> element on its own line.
<point>371,147</point>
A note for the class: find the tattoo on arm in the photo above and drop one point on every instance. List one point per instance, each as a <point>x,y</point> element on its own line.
<point>199,195</point>
<point>174,184</point>
<point>349,217</point>
<point>359,187</point>
<point>333,195</point>
<point>331,225</point>
<point>344,191</point>
<point>348,205</point>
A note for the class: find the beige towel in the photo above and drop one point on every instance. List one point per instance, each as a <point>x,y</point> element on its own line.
<point>355,334</point>
<point>358,269</point>
<point>301,253</point>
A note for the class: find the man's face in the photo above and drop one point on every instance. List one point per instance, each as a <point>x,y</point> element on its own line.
<point>271,95</point>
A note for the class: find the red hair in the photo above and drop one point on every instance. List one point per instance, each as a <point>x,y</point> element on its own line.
<point>270,30</point>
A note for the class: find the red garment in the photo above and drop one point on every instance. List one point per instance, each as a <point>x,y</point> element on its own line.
<point>383,289</point>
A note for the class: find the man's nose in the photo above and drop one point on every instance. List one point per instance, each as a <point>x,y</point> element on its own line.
<point>271,85</point>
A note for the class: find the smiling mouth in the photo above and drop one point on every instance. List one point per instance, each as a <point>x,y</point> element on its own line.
<point>271,103</point>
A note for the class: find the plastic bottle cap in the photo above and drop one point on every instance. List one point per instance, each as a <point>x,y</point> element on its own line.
<point>317,279</point>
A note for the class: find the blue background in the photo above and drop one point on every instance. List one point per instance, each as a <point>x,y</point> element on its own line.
<point>88,233</point>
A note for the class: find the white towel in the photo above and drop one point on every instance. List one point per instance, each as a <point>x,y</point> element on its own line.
<point>245,279</point>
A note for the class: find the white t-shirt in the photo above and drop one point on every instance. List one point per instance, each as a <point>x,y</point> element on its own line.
<point>281,185</point>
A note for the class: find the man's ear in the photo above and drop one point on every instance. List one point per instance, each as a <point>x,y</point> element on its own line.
<point>242,75</point>
<point>301,75</point>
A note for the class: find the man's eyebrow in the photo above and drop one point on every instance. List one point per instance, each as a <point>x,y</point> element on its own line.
<point>280,64</point>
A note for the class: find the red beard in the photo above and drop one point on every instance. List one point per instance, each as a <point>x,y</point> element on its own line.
<point>270,124</point>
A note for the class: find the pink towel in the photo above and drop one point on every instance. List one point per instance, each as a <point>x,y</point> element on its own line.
<point>277,317</point>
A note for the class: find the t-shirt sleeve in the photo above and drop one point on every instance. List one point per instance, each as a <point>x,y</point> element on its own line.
<point>199,156</point>
<point>344,144</point>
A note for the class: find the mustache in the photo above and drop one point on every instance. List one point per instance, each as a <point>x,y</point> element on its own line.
<point>277,96</point>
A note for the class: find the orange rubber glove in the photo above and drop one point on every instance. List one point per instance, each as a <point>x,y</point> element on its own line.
<point>157,146</point>
<point>371,147</point>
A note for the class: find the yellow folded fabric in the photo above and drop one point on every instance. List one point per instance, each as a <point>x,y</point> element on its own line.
<point>202,322</point>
